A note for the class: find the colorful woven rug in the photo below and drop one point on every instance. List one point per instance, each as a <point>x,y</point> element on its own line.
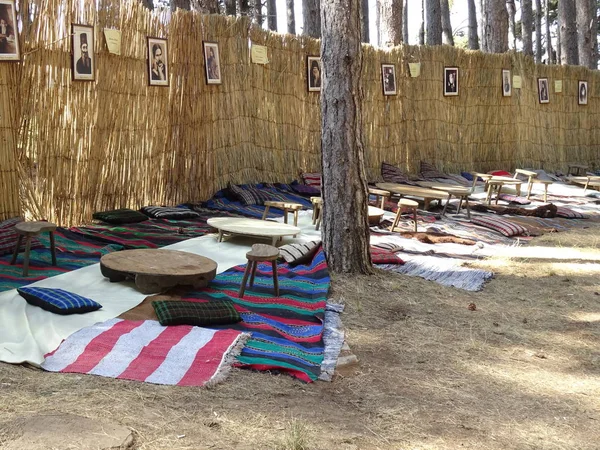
<point>287,331</point>
<point>146,351</point>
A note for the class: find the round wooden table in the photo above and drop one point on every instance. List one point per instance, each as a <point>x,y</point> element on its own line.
<point>157,270</point>
<point>252,227</point>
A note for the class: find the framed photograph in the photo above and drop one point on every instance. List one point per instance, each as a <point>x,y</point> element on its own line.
<point>212,63</point>
<point>388,73</point>
<point>9,34</point>
<point>313,65</point>
<point>158,62</point>
<point>582,93</point>
<point>450,80</point>
<point>506,83</point>
<point>83,58</point>
<point>543,91</point>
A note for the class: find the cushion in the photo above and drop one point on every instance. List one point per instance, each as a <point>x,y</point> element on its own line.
<point>567,213</point>
<point>9,237</point>
<point>502,226</point>
<point>381,256</point>
<point>430,171</point>
<point>58,301</point>
<point>500,173</point>
<point>466,176</point>
<point>393,174</point>
<point>120,216</point>
<point>300,253</point>
<point>249,195</point>
<point>165,212</point>
<point>459,179</point>
<point>220,312</point>
<point>305,189</point>
<point>312,179</point>
<point>389,246</point>
<point>514,199</point>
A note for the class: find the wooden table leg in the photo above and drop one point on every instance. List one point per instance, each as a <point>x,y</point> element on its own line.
<point>26,257</point>
<point>243,286</point>
<point>468,208</point>
<point>16,252</point>
<point>266,211</point>
<point>52,248</point>
<point>415,217</point>
<point>397,218</point>
<point>446,205</point>
<point>545,192</point>
<point>220,238</point>
<point>296,218</point>
<point>285,214</point>
<point>275,281</point>
<point>498,193</point>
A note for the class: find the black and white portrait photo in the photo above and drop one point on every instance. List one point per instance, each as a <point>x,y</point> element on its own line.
<point>313,64</point>
<point>388,72</point>
<point>450,80</point>
<point>543,91</point>
<point>84,63</point>
<point>212,63</point>
<point>158,66</point>
<point>582,93</point>
<point>9,36</point>
<point>506,83</point>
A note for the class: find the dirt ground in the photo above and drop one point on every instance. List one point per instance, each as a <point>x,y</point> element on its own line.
<point>521,371</point>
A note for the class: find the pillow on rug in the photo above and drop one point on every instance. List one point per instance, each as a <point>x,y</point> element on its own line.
<point>388,246</point>
<point>301,253</point>
<point>430,171</point>
<point>58,301</point>
<point>514,199</point>
<point>312,179</point>
<point>9,237</point>
<point>502,226</point>
<point>393,174</point>
<point>305,189</point>
<point>220,312</point>
<point>249,195</point>
<point>120,216</point>
<point>381,256</point>
<point>500,173</point>
<point>567,213</point>
<point>165,212</point>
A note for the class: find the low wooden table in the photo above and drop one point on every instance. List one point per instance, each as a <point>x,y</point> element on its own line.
<point>155,270</point>
<point>576,169</point>
<point>461,193</point>
<point>381,195</point>
<point>30,229</point>
<point>252,227</point>
<point>287,208</point>
<point>427,194</point>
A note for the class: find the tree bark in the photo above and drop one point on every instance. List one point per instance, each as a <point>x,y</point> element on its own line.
<point>148,4</point>
<point>594,43</point>
<point>364,20</point>
<point>538,36</point>
<point>512,11</point>
<point>345,225</point>
<point>405,33</point>
<point>422,29</point>
<point>205,6</point>
<point>446,24</point>
<point>257,12</point>
<point>182,4</point>
<point>527,27</point>
<point>482,25</point>
<point>496,26</point>
<point>312,17</point>
<point>272,14</point>
<point>584,32</point>
<point>244,7</point>
<point>473,36</point>
<point>291,17</point>
<point>230,7</point>
<point>434,22</point>
<point>390,22</point>
<point>568,32</point>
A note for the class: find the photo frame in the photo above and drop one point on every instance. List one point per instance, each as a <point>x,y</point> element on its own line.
<point>212,62</point>
<point>82,52</point>
<point>314,73</point>
<point>9,33</point>
<point>388,79</point>
<point>506,83</point>
<point>543,90</point>
<point>158,62</point>
<point>582,92</point>
<point>450,81</point>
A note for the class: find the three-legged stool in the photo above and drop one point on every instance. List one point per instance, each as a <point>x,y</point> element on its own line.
<point>30,229</point>
<point>405,203</point>
<point>260,253</point>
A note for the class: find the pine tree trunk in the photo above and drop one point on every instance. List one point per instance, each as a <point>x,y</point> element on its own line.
<point>364,20</point>
<point>182,4</point>
<point>345,225</point>
<point>594,42</point>
<point>538,51</point>
<point>559,56</point>
<point>244,7</point>
<point>473,37</point>
<point>527,27</point>
<point>512,11</point>
<point>148,4</point>
<point>390,22</point>
<point>433,22</point>
<point>482,25</point>
<point>568,32</point>
<point>291,17</point>
<point>259,18</point>
<point>446,24</point>
<point>405,23</point>
<point>312,17</point>
<point>422,29</point>
<point>230,7</point>
<point>584,32</point>
<point>272,14</point>
<point>496,26</point>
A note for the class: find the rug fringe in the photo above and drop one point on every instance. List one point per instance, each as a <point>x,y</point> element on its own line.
<point>228,360</point>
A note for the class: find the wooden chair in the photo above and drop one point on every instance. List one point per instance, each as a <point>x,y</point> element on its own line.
<point>260,253</point>
<point>30,229</point>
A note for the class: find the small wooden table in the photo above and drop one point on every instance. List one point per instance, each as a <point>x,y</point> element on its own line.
<point>576,169</point>
<point>380,194</point>
<point>461,193</point>
<point>287,208</point>
<point>30,229</point>
<point>252,227</point>
<point>427,194</point>
<point>155,270</point>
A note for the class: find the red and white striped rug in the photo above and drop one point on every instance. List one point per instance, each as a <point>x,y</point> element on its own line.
<point>143,350</point>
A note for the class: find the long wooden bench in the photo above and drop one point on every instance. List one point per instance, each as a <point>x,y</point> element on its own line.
<point>405,190</point>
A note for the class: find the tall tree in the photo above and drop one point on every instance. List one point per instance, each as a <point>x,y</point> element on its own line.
<point>364,20</point>
<point>584,32</point>
<point>538,51</point>
<point>182,4</point>
<point>472,18</point>
<point>291,16</point>
<point>434,22</point>
<point>527,26</point>
<point>422,29</point>
<point>312,17</point>
<point>482,25</point>
<point>496,26</point>
<point>512,12</point>
<point>244,7</point>
<point>148,4</point>
<point>568,32</point>
<point>594,43</point>
<point>405,23</point>
<point>230,7</point>
<point>446,24</point>
<point>272,14</point>
<point>345,225</point>
<point>390,22</point>
<point>258,13</point>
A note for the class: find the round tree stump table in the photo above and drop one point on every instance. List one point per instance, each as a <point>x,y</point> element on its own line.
<point>157,270</point>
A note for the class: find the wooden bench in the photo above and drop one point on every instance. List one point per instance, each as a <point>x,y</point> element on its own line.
<point>30,229</point>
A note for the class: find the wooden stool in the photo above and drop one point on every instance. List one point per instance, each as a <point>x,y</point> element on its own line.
<point>287,207</point>
<point>407,204</point>
<point>575,169</point>
<point>317,203</point>
<point>30,229</point>
<point>493,185</point>
<point>462,194</point>
<point>260,253</point>
<point>380,194</point>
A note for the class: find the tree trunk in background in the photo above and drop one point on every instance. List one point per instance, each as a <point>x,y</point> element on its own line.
<point>584,32</point>
<point>148,4</point>
<point>527,27</point>
<point>291,17</point>
<point>446,24</point>
<point>390,22</point>
<point>244,7</point>
<point>230,7</point>
<point>538,51</point>
<point>473,37</point>
<point>559,57</point>
<point>311,10</point>
<point>364,20</point>
<point>422,29</point>
<point>434,22</point>
<point>496,26</point>
<point>183,4</point>
<point>205,6</point>
<point>405,23</point>
<point>594,43</point>
<point>568,32</point>
<point>482,25</point>
<point>512,11</point>
<point>272,14</point>
<point>258,13</point>
<point>345,226</point>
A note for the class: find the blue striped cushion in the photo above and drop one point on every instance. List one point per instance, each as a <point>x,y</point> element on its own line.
<point>58,301</point>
